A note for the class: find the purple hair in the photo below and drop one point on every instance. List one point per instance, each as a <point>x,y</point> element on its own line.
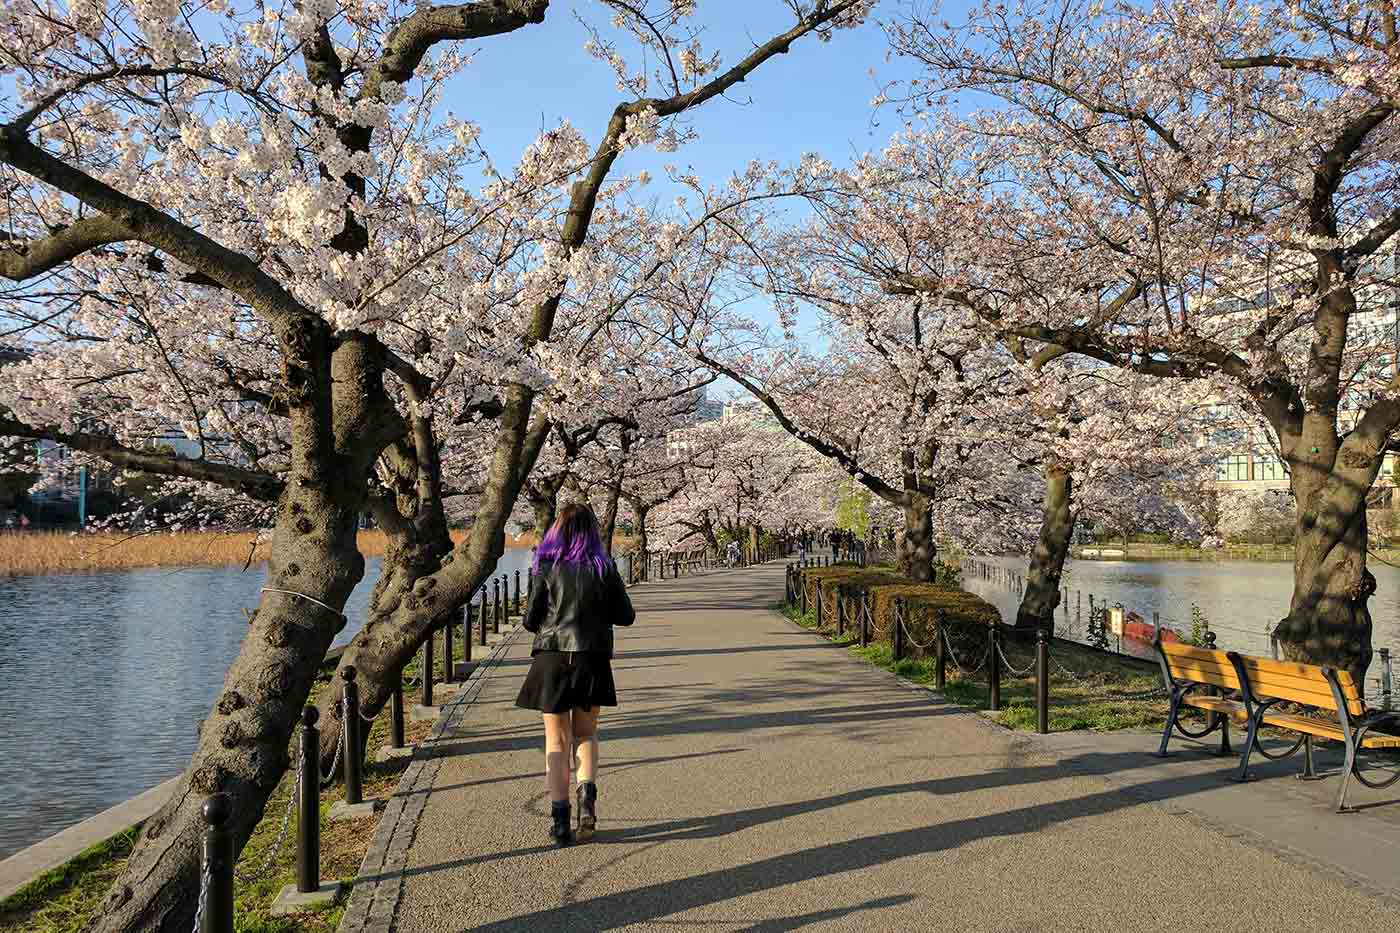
<point>574,539</point>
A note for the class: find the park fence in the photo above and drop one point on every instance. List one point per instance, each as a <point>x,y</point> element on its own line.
<point>963,636</point>
<point>1089,620</point>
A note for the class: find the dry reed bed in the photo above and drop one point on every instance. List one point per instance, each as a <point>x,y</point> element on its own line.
<point>35,552</point>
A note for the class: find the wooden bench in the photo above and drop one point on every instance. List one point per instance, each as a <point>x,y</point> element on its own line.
<point>1186,669</point>
<point>1266,683</point>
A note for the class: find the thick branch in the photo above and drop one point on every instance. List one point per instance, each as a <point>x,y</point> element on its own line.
<point>229,268</point>
<point>411,39</point>
<point>25,259</point>
<point>257,485</point>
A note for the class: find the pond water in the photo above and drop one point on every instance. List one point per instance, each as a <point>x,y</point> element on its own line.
<point>1241,599</point>
<point>104,676</point>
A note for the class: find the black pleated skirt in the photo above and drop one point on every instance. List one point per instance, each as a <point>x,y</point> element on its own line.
<point>560,681</point>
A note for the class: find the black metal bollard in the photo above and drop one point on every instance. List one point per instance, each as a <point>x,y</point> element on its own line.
<point>396,739</point>
<point>1209,639</point>
<point>940,652</point>
<point>864,620</point>
<point>309,806</point>
<point>802,593</point>
<point>425,670</point>
<point>819,604</point>
<point>840,611</point>
<point>467,630</point>
<point>216,867</point>
<point>449,672</point>
<point>496,605</point>
<point>481,610</point>
<point>350,734</point>
<point>1042,680</point>
<point>517,592</point>
<point>994,670</point>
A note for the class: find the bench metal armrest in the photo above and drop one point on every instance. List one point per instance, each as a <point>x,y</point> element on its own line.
<point>1376,717</point>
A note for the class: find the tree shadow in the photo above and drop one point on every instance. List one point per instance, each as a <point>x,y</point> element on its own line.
<point>654,901</point>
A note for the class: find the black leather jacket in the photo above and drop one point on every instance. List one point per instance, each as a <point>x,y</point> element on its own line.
<point>571,608</point>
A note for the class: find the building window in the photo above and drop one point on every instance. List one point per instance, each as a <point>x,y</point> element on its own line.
<point>1269,468</point>
<point>1233,469</point>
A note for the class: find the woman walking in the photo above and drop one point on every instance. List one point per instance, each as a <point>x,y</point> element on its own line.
<point>575,600</point>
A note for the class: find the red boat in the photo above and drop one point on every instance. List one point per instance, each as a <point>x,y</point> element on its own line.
<point>1136,628</point>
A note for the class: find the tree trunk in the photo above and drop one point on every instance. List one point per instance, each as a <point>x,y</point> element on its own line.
<point>1042,594</point>
<point>640,551</point>
<point>544,502</point>
<point>410,556</point>
<point>1328,620</point>
<point>242,748</point>
<point>917,550</point>
<point>610,513</point>
<point>430,586</point>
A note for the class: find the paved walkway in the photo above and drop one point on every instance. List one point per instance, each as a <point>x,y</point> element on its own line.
<point>756,778</point>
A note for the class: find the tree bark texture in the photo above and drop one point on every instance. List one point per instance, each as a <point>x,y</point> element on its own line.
<point>917,549</point>
<point>242,749</point>
<point>1047,562</point>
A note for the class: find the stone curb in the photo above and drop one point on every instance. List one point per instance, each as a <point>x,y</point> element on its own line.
<point>374,899</point>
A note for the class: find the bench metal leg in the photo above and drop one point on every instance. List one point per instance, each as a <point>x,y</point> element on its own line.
<point>1242,772</point>
<point>1347,768</point>
<point>1172,709</point>
<point>1225,735</point>
<point>1309,767</point>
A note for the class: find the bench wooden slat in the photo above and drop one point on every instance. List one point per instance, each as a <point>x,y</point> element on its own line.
<point>1204,672</point>
<point>1232,708</point>
<point>1326,730</point>
<point>1299,683</point>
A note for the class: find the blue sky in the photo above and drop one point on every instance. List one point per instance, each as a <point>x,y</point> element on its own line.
<point>816,98</point>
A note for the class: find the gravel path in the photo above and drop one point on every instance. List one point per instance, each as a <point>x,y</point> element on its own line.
<point>756,778</point>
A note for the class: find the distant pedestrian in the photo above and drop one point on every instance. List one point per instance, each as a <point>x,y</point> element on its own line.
<point>576,598</point>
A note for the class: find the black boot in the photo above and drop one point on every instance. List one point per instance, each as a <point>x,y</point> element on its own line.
<point>587,809</point>
<point>561,832</point>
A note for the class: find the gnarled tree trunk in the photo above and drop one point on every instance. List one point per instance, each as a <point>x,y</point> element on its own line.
<point>242,750</point>
<point>609,523</point>
<point>1328,619</point>
<point>1047,563</point>
<point>917,549</point>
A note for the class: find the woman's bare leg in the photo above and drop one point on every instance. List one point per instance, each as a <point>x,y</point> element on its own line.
<point>585,733</point>
<point>558,744</point>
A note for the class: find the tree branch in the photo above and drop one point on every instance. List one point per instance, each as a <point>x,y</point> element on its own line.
<point>263,487</point>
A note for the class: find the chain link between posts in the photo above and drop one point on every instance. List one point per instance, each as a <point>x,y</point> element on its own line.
<point>900,617</point>
<point>1011,669</point>
<point>203,898</point>
<point>870,617</point>
<point>958,665</point>
<point>1111,694</point>
<point>329,776</point>
<point>272,854</point>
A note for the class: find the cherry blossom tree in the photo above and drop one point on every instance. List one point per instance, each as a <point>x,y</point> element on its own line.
<point>277,189</point>
<point>1217,184</point>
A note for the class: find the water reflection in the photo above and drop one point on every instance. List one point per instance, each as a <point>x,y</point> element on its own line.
<point>1242,599</point>
<point>104,677</point>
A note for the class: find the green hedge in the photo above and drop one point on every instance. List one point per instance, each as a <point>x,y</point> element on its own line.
<point>856,580</point>
<point>968,616</point>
